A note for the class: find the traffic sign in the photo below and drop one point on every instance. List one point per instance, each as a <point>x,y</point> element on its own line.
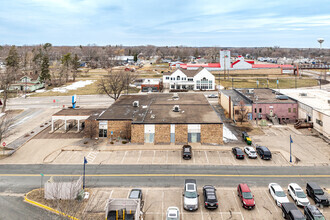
<point>4,144</point>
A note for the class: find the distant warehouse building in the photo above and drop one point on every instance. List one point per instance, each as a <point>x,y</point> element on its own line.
<point>162,119</point>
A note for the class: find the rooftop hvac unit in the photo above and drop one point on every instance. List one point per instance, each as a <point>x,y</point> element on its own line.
<point>175,96</point>
<point>303,94</point>
<point>136,104</point>
<point>251,91</point>
<point>176,108</point>
<point>282,97</point>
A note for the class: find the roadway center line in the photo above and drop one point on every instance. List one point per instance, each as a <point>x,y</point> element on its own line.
<point>170,175</point>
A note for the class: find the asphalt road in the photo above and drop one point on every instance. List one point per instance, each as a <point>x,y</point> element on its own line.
<point>22,178</point>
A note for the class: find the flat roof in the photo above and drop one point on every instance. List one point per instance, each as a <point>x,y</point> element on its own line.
<point>315,98</point>
<point>158,109</point>
<point>263,95</point>
<point>236,97</point>
<point>78,112</point>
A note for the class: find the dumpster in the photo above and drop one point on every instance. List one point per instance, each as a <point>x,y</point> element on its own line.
<point>248,141</point>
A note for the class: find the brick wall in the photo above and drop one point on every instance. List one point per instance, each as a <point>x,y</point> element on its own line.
<point>119,128</point>
<point>162,133</point>
<point>181,133</point>
<point>137,133</point>
<point>211,133</point>
<point>91,129</point>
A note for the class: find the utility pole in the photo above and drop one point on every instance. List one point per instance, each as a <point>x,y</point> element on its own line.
<point>25,86</point>
<point>257,110</point>
<point>232,83</point>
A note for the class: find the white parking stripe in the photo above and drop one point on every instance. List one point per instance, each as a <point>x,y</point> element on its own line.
<point>163,195</point>
<point>122,160</point>
<point>139,157</point>
<point>153,156</point>
<point>235,198</point>
<point>207,159</point>
<point>271,200</point>
<point>166,156</point>
<point>220,157</point>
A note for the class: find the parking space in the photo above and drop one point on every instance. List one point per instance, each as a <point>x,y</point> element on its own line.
<point>199,157</point>
<point>157,200</point>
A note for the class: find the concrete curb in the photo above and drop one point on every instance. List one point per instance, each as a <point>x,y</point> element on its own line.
<point>46,207</point>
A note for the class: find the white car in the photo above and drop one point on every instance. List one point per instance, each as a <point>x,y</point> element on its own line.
<point>298,195</point>
<point>173,213</point>
<point>250,152</point>
<point>277,193</point>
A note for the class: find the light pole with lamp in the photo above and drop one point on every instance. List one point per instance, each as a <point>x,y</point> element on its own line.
<point>257,110</point>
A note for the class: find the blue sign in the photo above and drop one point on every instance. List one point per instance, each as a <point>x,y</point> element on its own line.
<point>111,132</point>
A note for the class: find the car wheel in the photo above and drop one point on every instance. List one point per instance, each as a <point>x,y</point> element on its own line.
<point>296,202</point>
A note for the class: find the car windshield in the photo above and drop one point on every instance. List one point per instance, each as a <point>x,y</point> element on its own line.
<point>318,192</point>
<point>190,195</point>
<point>247,195</point>
<point>301,195</point>
<point>319,217</point>
<point>134,194</point>
<point>280,194</point>
<point>252,152</point>
<point>186,150</point>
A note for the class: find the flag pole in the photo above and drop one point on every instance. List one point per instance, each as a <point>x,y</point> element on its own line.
<point>290,149</point>
<point>84,173</point>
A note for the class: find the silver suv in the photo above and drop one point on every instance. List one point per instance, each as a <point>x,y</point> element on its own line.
<point>190,195</point>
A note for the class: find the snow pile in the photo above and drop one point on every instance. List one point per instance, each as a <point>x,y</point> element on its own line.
<point>40,90</point>
<point>228,135</point>
<point>73,86</point>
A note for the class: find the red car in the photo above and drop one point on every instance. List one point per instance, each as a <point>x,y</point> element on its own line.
<point>244,193</point>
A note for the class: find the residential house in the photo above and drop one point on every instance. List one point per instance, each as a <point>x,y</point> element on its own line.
<point>181,79</point>
<point>29,82</point>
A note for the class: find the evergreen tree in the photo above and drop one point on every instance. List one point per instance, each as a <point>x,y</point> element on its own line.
<point>45,73</point>
<point>75,66</point>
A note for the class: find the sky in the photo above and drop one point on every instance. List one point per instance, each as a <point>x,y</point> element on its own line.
<point>239,23</point>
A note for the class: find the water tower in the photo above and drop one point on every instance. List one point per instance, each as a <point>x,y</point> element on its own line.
<point>320,40</point>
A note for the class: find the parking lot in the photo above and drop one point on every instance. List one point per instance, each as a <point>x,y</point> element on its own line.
<point>157,200</point>
<point>220,157</point>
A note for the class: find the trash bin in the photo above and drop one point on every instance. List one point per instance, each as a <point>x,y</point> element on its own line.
<point>248,141</point>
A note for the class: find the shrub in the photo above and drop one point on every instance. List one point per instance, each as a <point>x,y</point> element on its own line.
<point>111,142</point>
<point>124,142</point>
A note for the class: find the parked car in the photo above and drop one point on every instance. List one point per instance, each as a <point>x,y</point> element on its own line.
<point>264,152</point>
<point>190,201</point>
<point>277,193</point>
<point>317,194</point>
<point>290,211</point>
<point>250,152</point>
<point>313,213</point>
<point>135,194</point>
<point>245,195</point>
<point>186,152</point>
<point>238,153</point>
<point>210,197</point>
<point>298,195</point>
<point>212,96</point>
<point>173,213</point>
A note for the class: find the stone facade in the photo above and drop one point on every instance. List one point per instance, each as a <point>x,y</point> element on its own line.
<point>162,133</point>
<point>137,133</point>
<point>181,133</point>
<point>212,133</point>
<point>119,128</point>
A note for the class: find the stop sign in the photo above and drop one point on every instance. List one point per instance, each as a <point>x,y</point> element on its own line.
<point>4,144</point>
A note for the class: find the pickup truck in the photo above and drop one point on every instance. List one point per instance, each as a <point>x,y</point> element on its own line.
<point>291,212</point>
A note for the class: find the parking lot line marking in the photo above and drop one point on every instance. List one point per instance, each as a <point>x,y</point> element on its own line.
<point>220,158</point>
<point>153,158</point>
<point>166,156</point>
<point>110,196</point>
<point>193,153</point>
<point>122,160</point>
<point>163,196</point>
<point>181,208</point>
<point>139,157</point>
<point>207,159</point>
<point>271,200</point>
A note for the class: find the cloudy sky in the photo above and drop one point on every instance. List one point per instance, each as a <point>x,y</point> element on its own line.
<point>284,23</point>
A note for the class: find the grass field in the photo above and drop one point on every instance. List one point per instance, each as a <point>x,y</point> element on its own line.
<point>284,83</point>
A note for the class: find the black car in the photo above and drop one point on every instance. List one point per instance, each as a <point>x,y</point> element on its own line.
<point>291,212</point>
<point>264,152</point>
<point>316,193</point>
<point>135,194</point>
<point>313,213</point>
<point>210,197</point>
<point>186,152</point>
<point>238,152</point>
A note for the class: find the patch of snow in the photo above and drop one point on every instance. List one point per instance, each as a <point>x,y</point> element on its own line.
<point>228,135</point>
<point>2,114</point>
<point>40,90</point>
<point>73,86</point>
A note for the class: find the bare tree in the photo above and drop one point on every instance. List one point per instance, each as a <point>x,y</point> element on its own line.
<point>242,111</point>
<point>114,83</point>
<point>91,128</point>
<point>5,123</point>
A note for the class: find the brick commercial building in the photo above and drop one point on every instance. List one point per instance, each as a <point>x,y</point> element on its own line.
<point>162,119</point>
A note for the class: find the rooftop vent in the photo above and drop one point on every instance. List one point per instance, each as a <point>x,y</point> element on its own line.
<point>136,104</point>
<point>329,101</point>
<point>175,96</point>
<point>176,108</point>
<point>282,97</point>
<point>250,91</point>
<point>303,94</point>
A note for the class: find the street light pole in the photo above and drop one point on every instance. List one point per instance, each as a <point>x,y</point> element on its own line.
<point>257,110</point>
